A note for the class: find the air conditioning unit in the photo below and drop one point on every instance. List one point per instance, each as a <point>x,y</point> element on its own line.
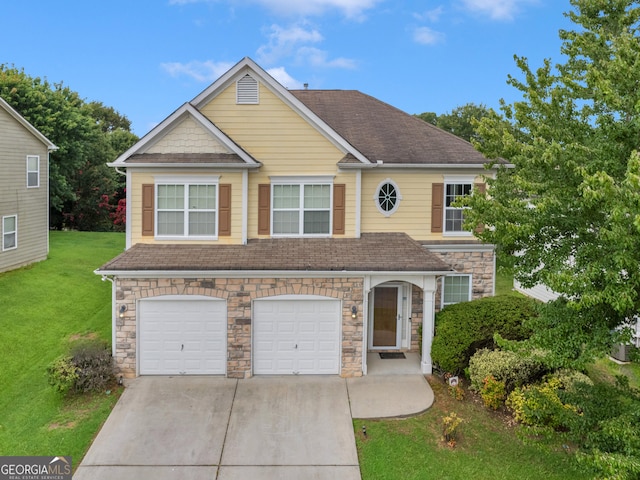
<point>621,352</point>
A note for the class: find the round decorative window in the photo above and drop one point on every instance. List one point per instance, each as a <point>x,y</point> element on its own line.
<point>387,197</point>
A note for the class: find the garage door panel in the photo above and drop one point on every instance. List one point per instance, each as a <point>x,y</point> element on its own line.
<point>296,337</point>
<point>182,336</point>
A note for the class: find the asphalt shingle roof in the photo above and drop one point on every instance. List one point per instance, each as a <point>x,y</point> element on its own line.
<point>372,252</point>
<point>384,133</point>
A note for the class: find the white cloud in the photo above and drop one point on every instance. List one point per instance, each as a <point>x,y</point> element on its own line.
<point>430,15</point>
<point>284,79</point>
<point>319,58</point>
<point>350,8</point>
<point>283,42</point>
<point>427,36</point>
<point>496,9</point>
<point>206,71</point>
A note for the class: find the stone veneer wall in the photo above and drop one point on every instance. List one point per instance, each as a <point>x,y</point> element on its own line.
<point>239,293</point>
<point>480,264</point>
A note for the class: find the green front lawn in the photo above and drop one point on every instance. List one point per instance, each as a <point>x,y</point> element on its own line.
<point>487,447</point>
<point>42,308</point>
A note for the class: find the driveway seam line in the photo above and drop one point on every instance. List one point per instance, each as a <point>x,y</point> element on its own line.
<point>226,432</point>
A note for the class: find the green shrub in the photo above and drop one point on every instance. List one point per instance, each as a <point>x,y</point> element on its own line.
<point>540,405</point>
<point>493,392</point>
<point>511,368</point>
<point>463,328</point>
<point>63,374</point>
<point>89,367</point>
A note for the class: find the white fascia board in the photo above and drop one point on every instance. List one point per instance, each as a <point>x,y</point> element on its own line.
<point>169,124</point>
<point>23,121</point>
<point>287,97</point>
<point>460,247</point>
<point>226,166</point>
<point>424,166</point>
<point>257,273</point>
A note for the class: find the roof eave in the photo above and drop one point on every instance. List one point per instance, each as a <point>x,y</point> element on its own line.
<point>433,166</point>
<point>262,273</point>
<point>225,166</point>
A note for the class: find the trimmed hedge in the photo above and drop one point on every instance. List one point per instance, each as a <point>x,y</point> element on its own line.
<point>512,369</point>
<point>464,328</point>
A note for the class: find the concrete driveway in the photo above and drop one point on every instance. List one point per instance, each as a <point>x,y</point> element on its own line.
<point>217,428</point>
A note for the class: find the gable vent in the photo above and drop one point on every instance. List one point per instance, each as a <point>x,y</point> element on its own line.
<point>247,90</point>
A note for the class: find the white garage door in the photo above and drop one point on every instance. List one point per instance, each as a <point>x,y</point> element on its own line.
<point>182,336</point>
<point>296,336</point>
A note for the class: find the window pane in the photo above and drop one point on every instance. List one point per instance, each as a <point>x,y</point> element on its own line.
<point>286,196</point>
<point>32,164</point>
<point>202,197</point>
<point>170,223</point>
<point>454,219</point>
<point>317,196</point>
<point>170,196</point>
<point>456,289</point>
<point>286,222</point>
<point>455,190</point>
<point>9,224</point>
<point>202,223</point>
<point>9,241</point>
<point>316,222</point>
<point>32,179</point>
<point>387,197</point>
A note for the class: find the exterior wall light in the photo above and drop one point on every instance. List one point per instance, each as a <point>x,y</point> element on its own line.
<point>354,311</point>
<point>121,310</point>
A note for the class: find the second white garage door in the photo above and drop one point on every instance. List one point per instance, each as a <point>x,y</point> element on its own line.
<point>182,336</point>
<point>292,336</point>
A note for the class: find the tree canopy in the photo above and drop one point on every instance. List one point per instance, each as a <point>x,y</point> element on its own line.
<point>461,121</point>
<point>84,192</point>
<point>569,207</point>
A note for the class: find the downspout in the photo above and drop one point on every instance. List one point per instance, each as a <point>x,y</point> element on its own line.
<point>113,311</point>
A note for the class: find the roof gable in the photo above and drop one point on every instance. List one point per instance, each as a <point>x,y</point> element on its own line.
<point>30,128</point>
<point>185,137</point>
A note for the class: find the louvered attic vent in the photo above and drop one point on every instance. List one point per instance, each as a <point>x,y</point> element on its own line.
<point>247,90</point>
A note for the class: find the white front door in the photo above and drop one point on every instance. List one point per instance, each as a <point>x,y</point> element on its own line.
<point>292,336</point>
<point>182,336</point>
<point>386,325</point>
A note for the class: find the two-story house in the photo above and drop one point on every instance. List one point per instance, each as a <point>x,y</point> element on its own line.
<point>275,231</point>
<point>24,190</point>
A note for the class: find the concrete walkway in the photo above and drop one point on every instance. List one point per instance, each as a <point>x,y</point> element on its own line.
<point>260,428</point>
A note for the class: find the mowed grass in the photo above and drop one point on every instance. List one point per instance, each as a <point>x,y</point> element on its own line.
<point>43,307</point>
<point>487,447</point>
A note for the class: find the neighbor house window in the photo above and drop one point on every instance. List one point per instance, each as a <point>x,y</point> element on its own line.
<point>387,197</point>
<point>9,232</point>
<point>186,209</point>
<point>456,289</point>
<point>301,208</point>
<point>454,216</point>
<point>33,171</point>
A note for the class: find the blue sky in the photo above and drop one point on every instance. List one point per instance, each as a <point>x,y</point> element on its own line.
<point>145,58</point>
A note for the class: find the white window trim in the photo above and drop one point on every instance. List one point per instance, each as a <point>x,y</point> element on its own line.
<point>470,276</point>
<point>4,249</point>
<point>302,181</point>
<point>455,180</point>
<point>398,197</point>
<point>37,157</point>
<point>186,181</point>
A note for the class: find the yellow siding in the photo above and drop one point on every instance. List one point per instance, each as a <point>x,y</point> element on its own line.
<point>413,215</point>
<point>283,142</point>
<point>140,178</point>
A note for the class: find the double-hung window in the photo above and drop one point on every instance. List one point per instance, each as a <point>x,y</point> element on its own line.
<point>9,232</point>
<point>33,171</point>
<point>456,289</point>
<point>187,209</point>
<point>455,189</point>
<point>301,208</point>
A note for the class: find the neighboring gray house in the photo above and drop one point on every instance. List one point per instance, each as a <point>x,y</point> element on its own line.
<point>24,191</point>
